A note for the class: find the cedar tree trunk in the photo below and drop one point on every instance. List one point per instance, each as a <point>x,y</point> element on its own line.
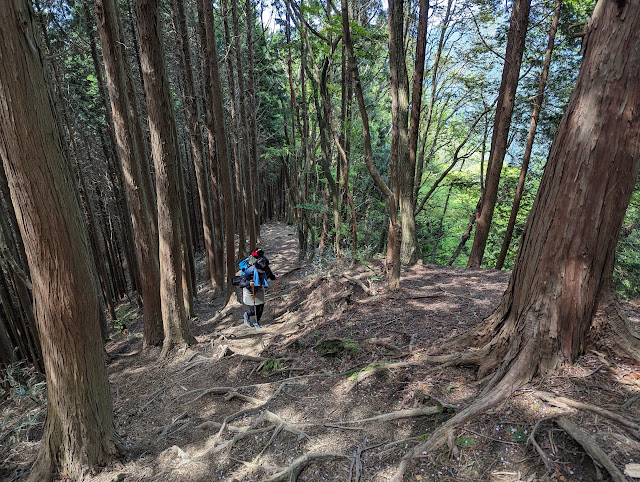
<point>164,149</point>
<point>79,432</point>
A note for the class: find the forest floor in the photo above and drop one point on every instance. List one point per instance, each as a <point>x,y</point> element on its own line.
<point>332,388</point>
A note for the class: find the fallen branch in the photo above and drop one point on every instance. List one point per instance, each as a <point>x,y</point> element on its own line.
<point>364,287</point>
<point>591,447</point>
<point>291,473</point>
<point>630,402</point>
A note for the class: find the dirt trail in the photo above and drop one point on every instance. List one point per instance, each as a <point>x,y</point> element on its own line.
<point>332,387</point>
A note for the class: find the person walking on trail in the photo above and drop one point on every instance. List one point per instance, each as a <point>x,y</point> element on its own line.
<point>253,285</point>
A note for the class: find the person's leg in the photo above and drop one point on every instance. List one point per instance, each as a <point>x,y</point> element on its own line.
<point>248,315</point>
<point>259,309</point>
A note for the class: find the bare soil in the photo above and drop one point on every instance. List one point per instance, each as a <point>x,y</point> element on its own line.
<point>335,352</point>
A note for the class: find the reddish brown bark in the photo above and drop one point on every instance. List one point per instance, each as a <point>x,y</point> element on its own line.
<point>79,432</point>
<point>165,155</point>
<point>133,165</point>
<point>215,108</point>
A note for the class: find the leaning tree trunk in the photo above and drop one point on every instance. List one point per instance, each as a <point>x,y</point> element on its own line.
<point>564,264</point>
<point>166,160</point>
<point>393,269</point>
<point>504,109</point>
<point>79,432</point>
<point>537,107</point>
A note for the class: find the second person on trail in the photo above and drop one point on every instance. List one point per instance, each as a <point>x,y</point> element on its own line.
<point>253,284</point>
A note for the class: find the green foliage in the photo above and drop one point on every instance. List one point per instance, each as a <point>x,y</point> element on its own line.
<point>336,347</point>
<point>272,365</point>
<point>519,435</point>
<point>123,318</point>
<point>465,441</point>
<point>23,406</point>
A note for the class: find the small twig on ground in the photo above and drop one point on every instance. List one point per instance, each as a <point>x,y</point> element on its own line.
<point>291,473</point>
<point>630,402</point>
<point>231,395</point>
<point>413,339</point>
<point>548,462</point>
<point>591,447</point>
<point>169,426</point>
<point>390,366</point>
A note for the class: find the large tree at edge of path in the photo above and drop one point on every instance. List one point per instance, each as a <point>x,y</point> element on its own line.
<point>562,273</point>
<point>79,433</point>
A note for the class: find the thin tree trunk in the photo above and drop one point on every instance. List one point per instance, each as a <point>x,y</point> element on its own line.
<point>242,212</point>
<point>253,220</point>
<point>504,109</point>
<point>218,249</point>
<point>132,166</point>
<point>537,106</point>
<point>394,268</point>
<point>215,102</point>
<point>193,130</point>
<point>253,110</point>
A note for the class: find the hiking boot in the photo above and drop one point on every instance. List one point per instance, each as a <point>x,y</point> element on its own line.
<point>246,319</point>
<point>256,325</point>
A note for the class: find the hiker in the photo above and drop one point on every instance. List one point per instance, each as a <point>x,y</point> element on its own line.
<point>254,280</point>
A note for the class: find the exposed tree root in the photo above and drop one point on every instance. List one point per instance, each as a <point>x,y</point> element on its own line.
<point>409,413</point>
<point>591,447</point>
<point>508,380</point>
<point>169,426</point>
<point>378,369</point>
<point>564,402</point>
<point>291,473</point>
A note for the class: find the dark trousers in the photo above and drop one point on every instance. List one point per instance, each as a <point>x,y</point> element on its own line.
<point>256,310</point>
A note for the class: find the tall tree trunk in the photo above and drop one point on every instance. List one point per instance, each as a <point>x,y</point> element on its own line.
<point>394,268</point>
<point>216,193</point>
<point>504,109</point>
<point>566,254</point>
<point>432,100</point>
<point>242,212</point>
<point>79,433</point>
<point>399,156</point>
<point>409,250</point>
<point>253,220</point>
<point>129,153</point>
<point>193,130</point>
<point>164,149</point>
<point>215,101</point>
<point>114,169</point>
<point>253,112</point>
<point>537,106</point>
